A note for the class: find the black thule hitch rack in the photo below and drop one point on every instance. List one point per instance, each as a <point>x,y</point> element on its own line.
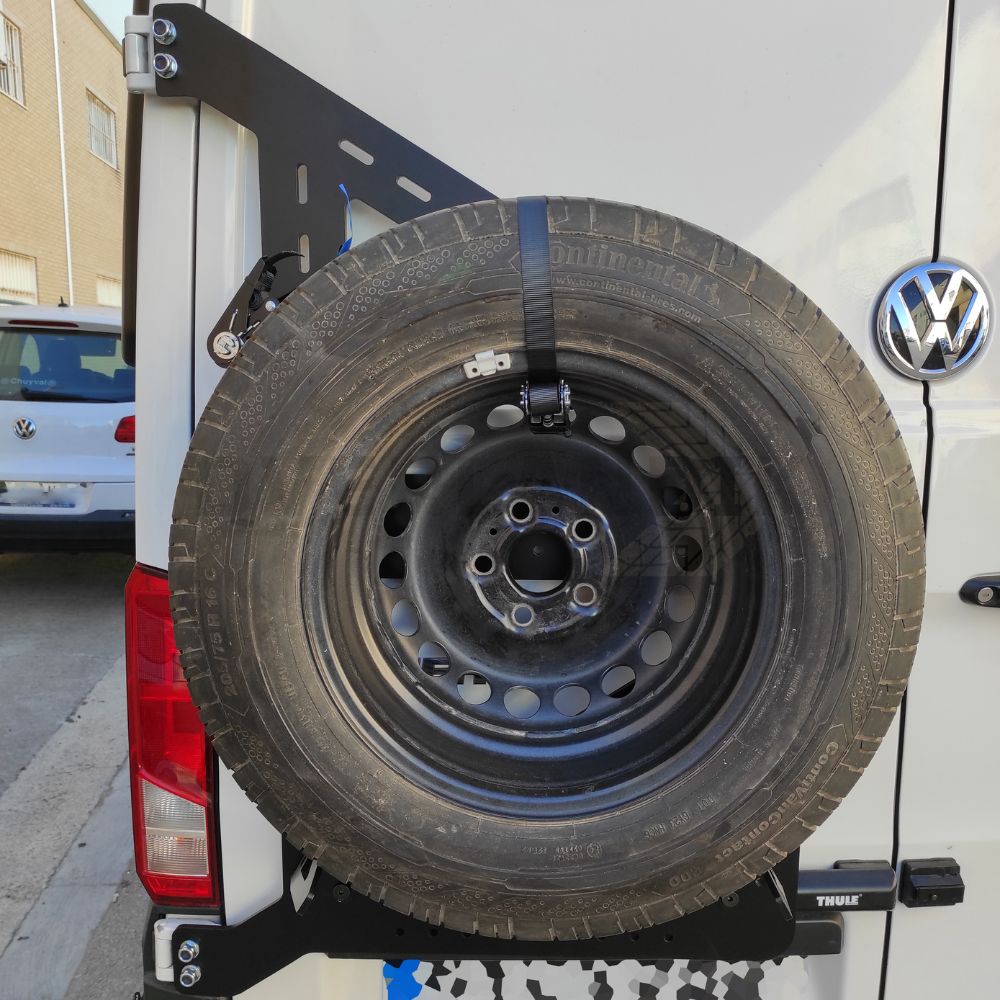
<point>784,912</point>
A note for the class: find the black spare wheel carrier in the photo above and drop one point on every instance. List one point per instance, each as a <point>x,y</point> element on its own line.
<point>299,123</point>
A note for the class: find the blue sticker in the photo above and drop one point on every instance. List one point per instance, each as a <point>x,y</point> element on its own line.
<point>399,980</point>
<point>346,245</point>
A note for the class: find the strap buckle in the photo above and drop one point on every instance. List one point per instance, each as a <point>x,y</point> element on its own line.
<point>547,407</point>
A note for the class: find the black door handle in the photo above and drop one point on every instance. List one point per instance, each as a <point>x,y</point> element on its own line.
<point>983,591</point>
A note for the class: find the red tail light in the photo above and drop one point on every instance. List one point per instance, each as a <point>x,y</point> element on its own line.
<point>173,813</point>
<point>125,431</point>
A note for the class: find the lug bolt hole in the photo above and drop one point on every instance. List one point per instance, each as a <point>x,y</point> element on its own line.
<point>522,615</point>
<point>483,564</point>
<point>584,595</point>
<point>583,530</point>
<point>520,512</point>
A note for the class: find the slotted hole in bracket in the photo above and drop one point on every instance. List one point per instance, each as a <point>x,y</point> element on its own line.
<point>357,152</point>
<point>412,187</point>
<point>302,183</point>
<point>304,253</point>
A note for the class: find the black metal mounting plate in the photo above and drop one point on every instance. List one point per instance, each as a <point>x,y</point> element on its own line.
<point>298,122</point>
<point>754,925</point>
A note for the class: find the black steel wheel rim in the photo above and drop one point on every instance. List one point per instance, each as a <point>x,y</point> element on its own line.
<point>540,625</point>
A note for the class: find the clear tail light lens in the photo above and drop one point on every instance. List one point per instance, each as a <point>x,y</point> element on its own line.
<point>173,814</point>
<point>125,431</point>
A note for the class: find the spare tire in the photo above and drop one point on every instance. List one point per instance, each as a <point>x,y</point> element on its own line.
<point>531,685</point>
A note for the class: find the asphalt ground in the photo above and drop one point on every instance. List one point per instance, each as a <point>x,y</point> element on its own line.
<point>71,909</point>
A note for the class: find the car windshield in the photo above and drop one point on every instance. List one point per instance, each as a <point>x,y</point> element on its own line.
<point>64,365</point>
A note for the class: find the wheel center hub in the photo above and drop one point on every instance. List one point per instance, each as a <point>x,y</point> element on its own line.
<point>539,559</point>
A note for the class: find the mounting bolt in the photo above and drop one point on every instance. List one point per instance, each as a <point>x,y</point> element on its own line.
<point>190,974</point>
<point>731,899</point>
<point>164,31</point>
<point>164,66</point>
<point>342,893</point>
<point>270,305</point>
<point>188,951</point>
<point>985,595</point>
<point>226,345</point>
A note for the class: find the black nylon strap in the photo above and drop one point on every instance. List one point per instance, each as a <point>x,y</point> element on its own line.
<point>543,394</point>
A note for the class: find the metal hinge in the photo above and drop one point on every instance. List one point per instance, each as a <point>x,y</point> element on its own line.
<point>137,55</point>
<point>140,64</point>
<point>486,363</point>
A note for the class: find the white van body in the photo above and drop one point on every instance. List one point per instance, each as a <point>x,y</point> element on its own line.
<point>809,134</point>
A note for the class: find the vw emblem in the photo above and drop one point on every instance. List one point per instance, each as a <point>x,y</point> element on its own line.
<point>24,428</point>
<point>933,319</point>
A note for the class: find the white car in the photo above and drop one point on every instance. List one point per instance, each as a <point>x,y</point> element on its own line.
<point>67,429</point>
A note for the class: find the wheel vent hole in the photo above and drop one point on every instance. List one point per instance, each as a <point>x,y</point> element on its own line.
<point>649,461</point>
<point>500,418</point>
<point>655,648</point>
<point>457,438</point>
<point>392,571</point>
<point>418,473</point>
<point>474,688</point>
<point>677,503</point>
<point>680,604</point>
<point>618,681</point>
<point>397,519</point>
<point>609,429</point>
<point>433,659</point>
<point>521,702</point>
<point>571,700</point>
<point>687,554</point>
<point>405,618</point>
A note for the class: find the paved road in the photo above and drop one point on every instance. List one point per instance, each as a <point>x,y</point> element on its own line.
<point>70,905</point>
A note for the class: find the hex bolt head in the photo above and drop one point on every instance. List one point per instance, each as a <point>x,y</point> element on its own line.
<point>985,595</point>
<point>188,951</point>
<point>190,974</point>
<point>164,31</point>
<point>164,65</point>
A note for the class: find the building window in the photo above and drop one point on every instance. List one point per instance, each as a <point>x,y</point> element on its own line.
<point>11,81</point>
<point>103,134</point>
<point>109,292</point>
<point>18,277</point>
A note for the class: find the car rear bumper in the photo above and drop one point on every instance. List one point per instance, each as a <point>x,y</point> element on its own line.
<point>98,529</point>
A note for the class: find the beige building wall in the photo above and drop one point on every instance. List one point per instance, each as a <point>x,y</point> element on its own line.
<point>91,62</point>
<point>31,198</point>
